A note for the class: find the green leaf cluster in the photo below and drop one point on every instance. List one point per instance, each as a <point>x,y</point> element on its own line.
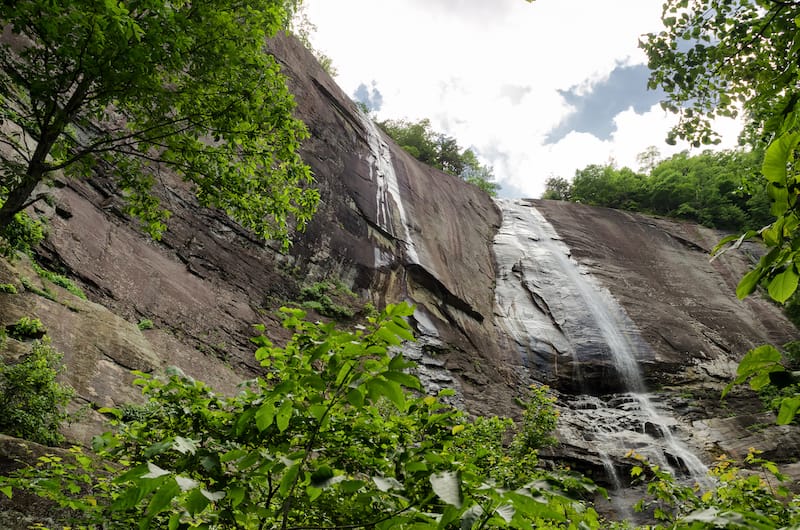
<point>336,433</point>
<point>32,400</point>
<point>20,235</point>
<point>716,189</point>
<point>330,298</point>
<point>718,58</point>
<point>136,89</point>
<point>26,328</point>
<point>750,495</point>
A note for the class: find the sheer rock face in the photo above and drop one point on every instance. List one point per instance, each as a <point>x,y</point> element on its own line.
<point>391,229</point>
<point>683,304</point>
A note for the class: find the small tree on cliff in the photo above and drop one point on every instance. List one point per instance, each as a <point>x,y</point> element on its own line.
<point>136,88</point>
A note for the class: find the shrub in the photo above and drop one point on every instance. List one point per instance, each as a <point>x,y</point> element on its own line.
<point>8,288</point>
<point>20,235</point>
<point>335,434</point>
<point>26,328</point>
<point>32,401</point>
<point>538,423</point>
<point>145,324</point>
<point>328,298</point>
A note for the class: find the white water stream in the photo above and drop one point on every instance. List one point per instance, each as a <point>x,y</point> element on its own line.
<point>553,309</point>
<point>381,171</point>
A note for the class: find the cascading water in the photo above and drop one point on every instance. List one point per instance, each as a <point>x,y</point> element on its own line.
<point>562,320</point>
<point>381,171</point>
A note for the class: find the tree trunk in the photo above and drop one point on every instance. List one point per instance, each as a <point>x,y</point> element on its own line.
<point>18,196</point>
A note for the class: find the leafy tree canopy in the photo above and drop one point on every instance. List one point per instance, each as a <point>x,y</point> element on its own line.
<point>133,89</point>
<point>719,58</point>
<point>712,188</point>
<point>440,151</point>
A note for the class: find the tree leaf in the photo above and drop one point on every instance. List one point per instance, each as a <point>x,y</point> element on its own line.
<point>6,490</point>
<point>265,415</point>
<point>184,445</point>
<point>387,483</point>
<point>748,284</point>
<point>196,502</point>
<point>284,415</point>
<point>162,498</point>
<point>213,496</point>
<point>788,410</point>
<point>356,398</point>
<point>506,511</point>
<point>378,387</point>
<point>783,285</point>
<point>402,378</point>
<point>154,471</point>
<point>447,486</point>
<point>758,359</point>
<point>777,156</point>
<point>469,517</point>
<point>186,483</point>
<point>236,495</point>
<point>288,479</point>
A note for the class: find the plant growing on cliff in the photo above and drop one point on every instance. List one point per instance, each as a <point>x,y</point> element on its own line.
<point>26,328</point>
<point>133,89</point>
<point>32,401</point>
<point>331,436</point>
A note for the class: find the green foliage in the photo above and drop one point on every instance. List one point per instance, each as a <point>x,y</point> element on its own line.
<point>329,298</point>
<point>754,495</point>
<point>8,288</point>
<point>26,328</point>
<point>60,280</point>
<point>21,234</point>
<point>32,401</point>
<point>137,88</point>
<point>716,57</point>
<point>440,151</point>
<point>712,188</point>
<point>335,434</point>
<point>145,324</point>
<point>538,423</point>
<point>558,189</point>
<point>769,372</point>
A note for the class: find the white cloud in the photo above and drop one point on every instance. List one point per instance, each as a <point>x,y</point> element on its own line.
<point>453,60</point>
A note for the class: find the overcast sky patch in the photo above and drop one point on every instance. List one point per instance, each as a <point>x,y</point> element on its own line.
<point>369,97</point>
<point>538,89</point>
<point>515,93</point>
<point>595,107</point>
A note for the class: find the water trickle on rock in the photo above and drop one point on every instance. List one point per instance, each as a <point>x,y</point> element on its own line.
<point>564,323</point>
<point>381,171</point>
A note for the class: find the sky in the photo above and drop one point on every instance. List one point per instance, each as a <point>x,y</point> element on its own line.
<point>536,90</point>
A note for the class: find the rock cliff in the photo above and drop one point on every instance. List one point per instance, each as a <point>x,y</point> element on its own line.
<point>390,229</point>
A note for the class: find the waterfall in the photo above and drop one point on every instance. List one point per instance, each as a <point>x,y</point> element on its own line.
<point>563,320</point>
<point>381,172</point>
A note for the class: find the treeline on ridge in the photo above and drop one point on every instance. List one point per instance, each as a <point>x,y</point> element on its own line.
<point>716,189</point>
<point>440,151</point>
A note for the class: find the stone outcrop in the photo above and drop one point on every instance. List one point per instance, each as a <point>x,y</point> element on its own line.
<point>390,229</point>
